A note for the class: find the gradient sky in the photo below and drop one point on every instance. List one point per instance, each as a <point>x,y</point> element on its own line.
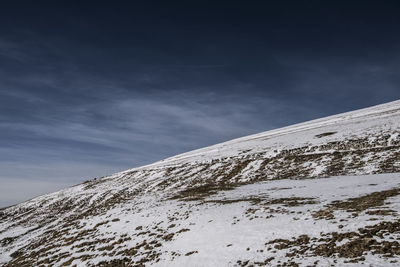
<point>90,89</point>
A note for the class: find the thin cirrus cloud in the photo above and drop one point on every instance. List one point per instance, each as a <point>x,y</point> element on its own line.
<point>113,136</point>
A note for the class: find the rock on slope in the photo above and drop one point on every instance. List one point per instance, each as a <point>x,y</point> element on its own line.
<point>246,202</point>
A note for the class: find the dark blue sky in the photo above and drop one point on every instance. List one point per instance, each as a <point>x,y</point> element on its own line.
<point>88,89</point>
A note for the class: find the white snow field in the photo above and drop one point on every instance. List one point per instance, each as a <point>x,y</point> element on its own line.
<point>319,193</point>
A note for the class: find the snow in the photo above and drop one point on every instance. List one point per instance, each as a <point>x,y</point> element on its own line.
<point>225,226</point>
<point>212,226</point>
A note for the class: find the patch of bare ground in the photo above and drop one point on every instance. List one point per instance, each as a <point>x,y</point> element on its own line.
<point>293,201</point>
<point>124,262</point>
<point>254,200</point>
<point>266,262</point>
<point>268,208</point>
<point>146,250</point>
<point>325,134</point>
<point>191,252</point>
<point>202,191</point>
<point>352,245</point>
<point>359,204</point>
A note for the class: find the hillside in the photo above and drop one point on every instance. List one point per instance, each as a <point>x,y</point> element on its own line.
<point>245,202</point>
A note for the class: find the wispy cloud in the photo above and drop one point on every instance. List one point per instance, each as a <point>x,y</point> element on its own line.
<point>100,138</point>
<point>11,50</point>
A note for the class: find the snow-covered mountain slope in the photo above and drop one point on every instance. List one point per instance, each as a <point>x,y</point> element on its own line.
<point>240,203</point>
